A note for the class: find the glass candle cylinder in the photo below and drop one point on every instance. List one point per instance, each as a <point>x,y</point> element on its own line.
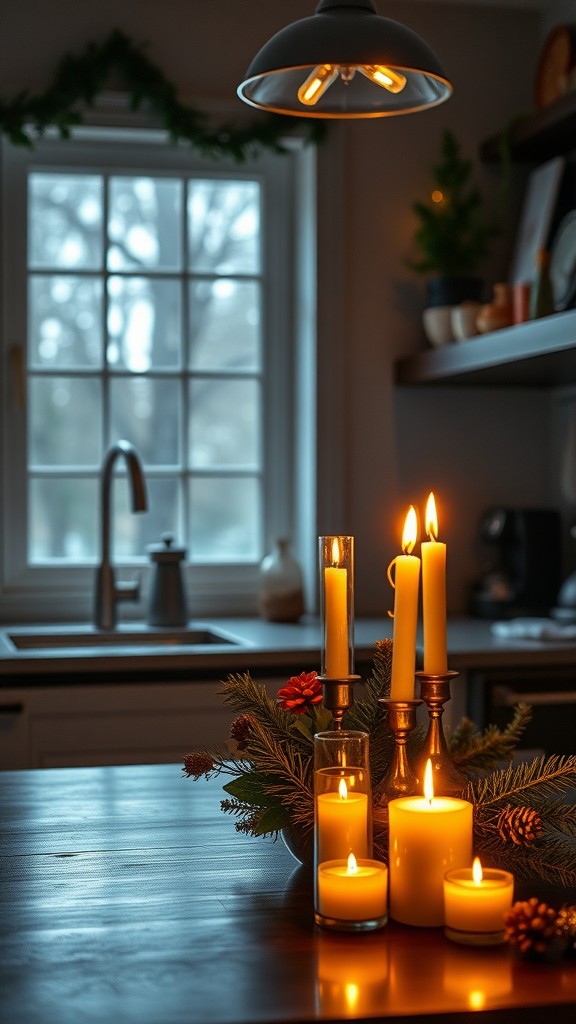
<point>336,556</point>
<point>343,821</point>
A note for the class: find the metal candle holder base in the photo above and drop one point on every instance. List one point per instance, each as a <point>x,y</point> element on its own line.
<point>338,696</point>
<point>435,691</point>
<point>401,779</point>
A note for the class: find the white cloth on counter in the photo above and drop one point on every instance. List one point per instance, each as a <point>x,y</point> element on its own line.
<point>533,629</point>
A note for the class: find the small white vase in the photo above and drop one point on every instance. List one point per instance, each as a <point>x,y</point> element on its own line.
<point>281,597</point>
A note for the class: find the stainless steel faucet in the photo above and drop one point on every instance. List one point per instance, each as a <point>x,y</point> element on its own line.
<point>108,593</point>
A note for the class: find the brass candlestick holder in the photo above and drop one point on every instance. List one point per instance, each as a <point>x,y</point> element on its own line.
<point>338,696</point>
<point>401,779</point>
<point>435,692</point>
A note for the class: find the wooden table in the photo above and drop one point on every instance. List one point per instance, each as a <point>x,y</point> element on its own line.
<point>128,898</point>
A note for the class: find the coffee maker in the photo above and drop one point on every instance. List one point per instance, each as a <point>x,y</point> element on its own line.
<point>520,550</point>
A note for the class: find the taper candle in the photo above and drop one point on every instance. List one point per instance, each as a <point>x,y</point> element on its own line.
<point>336,611</point>
<point>434,595</point>
<point>405,583</point>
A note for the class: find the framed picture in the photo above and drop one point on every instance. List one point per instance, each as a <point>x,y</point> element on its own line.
<point>538,218</point>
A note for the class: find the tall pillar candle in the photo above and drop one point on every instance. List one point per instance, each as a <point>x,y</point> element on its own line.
<point>428,836</point>
<point>405,582</point>
<point>434,596</point>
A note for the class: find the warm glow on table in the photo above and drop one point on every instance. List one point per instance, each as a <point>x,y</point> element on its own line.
<point>336,617</point>
<point>342,823</point>
<point>475,901</point>
<point>406,583</point>
<point>434,595</point>
<point>428,836</point>
<point>352,890</point>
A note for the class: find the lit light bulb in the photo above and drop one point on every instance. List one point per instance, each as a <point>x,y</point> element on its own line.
<point>383,76</point>
<point>316,84</point>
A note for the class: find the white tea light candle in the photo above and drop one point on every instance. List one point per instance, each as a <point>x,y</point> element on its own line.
<point>352,892</point>
<point>475,901</point>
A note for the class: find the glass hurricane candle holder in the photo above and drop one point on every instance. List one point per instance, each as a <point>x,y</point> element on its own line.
<point>475,902</point>
<point>336,558</point>
<point>342,812</point>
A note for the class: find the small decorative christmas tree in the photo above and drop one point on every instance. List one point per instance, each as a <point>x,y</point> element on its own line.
<point>453,236</point>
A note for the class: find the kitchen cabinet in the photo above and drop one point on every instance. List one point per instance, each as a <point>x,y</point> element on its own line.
<point>541,353</point>
<point>49,726</point>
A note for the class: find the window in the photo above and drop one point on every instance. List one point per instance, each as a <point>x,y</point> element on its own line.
<point>149,296</point>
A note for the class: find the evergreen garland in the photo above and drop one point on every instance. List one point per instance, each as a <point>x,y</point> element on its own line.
<point>524,815</point>
<point>79,79</point>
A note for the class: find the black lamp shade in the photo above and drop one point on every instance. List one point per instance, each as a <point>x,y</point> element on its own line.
<point>348,33</point>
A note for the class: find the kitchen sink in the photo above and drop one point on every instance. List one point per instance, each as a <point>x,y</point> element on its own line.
<point>54,637</point>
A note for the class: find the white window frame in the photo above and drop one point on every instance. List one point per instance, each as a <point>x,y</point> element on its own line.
<point>66,594</point>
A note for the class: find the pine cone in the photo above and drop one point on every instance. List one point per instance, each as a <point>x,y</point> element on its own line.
<point>519,825</point>
<point>566,923</point>
<point>532,928</point>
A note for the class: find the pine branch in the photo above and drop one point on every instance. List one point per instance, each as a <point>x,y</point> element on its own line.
<point>368,715</point>
<point>542,777</point>
<point>472,750</point>
<point>245,696</point>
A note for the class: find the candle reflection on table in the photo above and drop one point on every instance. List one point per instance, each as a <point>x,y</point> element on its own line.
<point>351,977</point>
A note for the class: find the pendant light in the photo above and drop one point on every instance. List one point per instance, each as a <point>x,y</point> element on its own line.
<point>345,61</point>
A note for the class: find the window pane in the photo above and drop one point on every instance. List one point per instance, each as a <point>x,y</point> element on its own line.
<point>225,520</point>
<point>63,520</point>
<point>224,226</point>
<point>65,421</point>
<point>132,531</point>
<point>65,321</point>
<point>164,513</point>
<point>225,325</point>
<point>65,221</point>
<point>147,413</point>
<point>144,323</point>
<point>224,423</point>
<point>145,224</point>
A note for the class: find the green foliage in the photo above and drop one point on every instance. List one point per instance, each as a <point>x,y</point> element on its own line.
<point>545,784</point>
<point>79,79</point>
<point>477,751</point>
<point>453,235</point>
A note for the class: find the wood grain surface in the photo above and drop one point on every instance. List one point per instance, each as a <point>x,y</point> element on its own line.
<point>129,898</point>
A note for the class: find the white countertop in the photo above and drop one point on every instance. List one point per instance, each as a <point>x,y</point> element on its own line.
<point>254,645</point>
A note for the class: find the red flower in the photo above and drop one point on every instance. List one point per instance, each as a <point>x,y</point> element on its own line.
<point>301,693</point>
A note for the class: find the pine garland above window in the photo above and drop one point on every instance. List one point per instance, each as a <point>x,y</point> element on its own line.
<point>79,80</point>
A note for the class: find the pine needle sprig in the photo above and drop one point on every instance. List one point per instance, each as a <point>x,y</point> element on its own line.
<point>542,777</point>
<point>472,749</point>
<point>367,714</point>
<point>552,857</point>
<point>287,773</point>
<point>244,695</point>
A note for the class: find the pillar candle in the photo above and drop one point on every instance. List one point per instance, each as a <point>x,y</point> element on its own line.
<point>428,836</point>
<point>351,890</point>
<point>336,617</point>
<point>475,901</point>
<point>434,596</point>
<point>406,583</point>
<point>342,824</point>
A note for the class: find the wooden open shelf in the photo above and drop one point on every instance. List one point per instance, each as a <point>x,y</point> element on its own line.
<point>541,353</point>
<point>548,133</point>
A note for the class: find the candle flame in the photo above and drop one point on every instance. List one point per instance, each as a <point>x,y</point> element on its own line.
<point>336,556</point>
<point>410,531</point>
<point>431,518</point>
<point>343,790</point>
<point>428,782</point>
<point>477,871</point>
<point>352,864</point>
